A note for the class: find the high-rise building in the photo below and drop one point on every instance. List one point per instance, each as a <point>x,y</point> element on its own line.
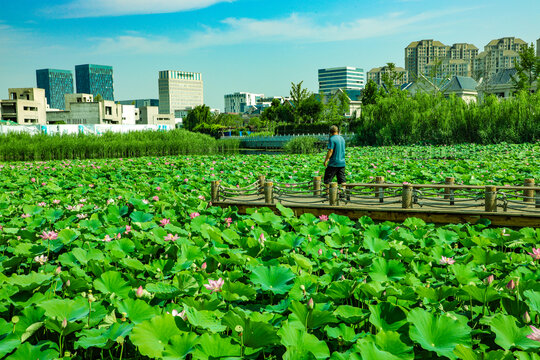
<point>377,75</point>
<point>179,91</point>
<point>498,54</point>
<point>240,101</point>
<point>95,80</point>
<point>345,78</point>
<point>433,57</point>
<point>56,83</point>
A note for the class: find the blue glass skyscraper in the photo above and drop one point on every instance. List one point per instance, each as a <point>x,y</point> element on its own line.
<point>56,83</point>
<point>95,79</point>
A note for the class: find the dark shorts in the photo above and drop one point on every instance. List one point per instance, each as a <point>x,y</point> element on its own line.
<point>331,171</point>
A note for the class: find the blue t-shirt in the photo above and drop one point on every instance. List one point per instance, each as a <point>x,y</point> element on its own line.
<point>337,143</point>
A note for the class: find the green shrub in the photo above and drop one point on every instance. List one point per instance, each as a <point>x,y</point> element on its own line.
<point>303,145</point>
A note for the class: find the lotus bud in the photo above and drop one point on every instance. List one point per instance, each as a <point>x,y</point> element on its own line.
<point>342,277</point>
<point>511,285</point>
<point>341,251</point>
<point>334,254</point>
<point>320,252</point>
<point>203,266</point>
<point>58,270</point>
<point>120,340</point>
<point>64,323</point>
<point>303,288</point>
<point>68,283</point>
<point>526,317</point>
<point>490,279</point>
<point>139,292</point>
<point>239,328</point>
<point>311,304</point>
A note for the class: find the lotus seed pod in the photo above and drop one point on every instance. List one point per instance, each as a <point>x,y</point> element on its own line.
<point>15,319</point>
<point>239,328</point>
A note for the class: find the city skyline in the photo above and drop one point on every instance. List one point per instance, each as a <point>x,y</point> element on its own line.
<point>243,45</point>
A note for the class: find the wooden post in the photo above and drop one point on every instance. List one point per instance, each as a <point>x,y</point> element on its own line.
<point>215,191</point>
<point>537,199</point>
<point>334,199</point>
<point>379,191</point>
<point>316,186</point>
<point>449,193</point>
<point>269,192</point>
<point>491,198</point>
<point>528,195</point>
<point>262,180</point>
<point>406,196</point>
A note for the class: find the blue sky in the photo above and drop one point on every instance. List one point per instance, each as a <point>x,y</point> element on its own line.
<point>239,45</point>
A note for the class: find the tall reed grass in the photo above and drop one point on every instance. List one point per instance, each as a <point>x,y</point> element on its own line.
<point>24,147</point>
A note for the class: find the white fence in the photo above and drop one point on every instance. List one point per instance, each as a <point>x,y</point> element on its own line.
<point>79,129</point>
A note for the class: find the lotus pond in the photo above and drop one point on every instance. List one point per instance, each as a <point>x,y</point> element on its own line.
<point>127,259</point>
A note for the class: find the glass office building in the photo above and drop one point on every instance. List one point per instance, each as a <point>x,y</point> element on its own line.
<point>56,83</point>
<point>345,78</point>
<point>95,79</point>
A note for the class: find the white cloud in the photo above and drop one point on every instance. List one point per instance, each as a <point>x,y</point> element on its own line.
<point>294,28</point>
<point>99,8</point>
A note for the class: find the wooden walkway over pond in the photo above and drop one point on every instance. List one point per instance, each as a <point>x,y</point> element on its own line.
<point>446,203</point>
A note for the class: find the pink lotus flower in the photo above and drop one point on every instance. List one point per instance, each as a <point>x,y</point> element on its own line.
<point>145,201</point>
<point>446,261</point>
<point>33,180</point>
<point>107,238</point>
<point>24,216</point>
<point>203,266</point>
<point>164,222</point>
<point>139,292</point>
<point>262,239</point>
<point>323,217</point>
<point>170,237</point>
<point>535,254</point>
<point>43,184</point>
<point>51,235</point>
<point>181,314</point>
<point>214,285</point>
<point>155,198</point>
<point>228,221</point>
<point>56,201</point>
<point>201,197</point>
<point>511,285</point>
<point>128,229</point>
<point>41,259</point>
<point>158,188</point>
<point>82,216</point>
<point>193,215</point>
<point>110,201</point>
<point>535,334</point>
<point>43,203</point>
<point>490,279</point>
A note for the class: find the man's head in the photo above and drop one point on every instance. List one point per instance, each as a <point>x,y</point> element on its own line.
<point>334,130</point>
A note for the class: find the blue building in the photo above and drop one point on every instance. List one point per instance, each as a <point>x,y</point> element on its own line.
<point>139,103</point>
<point>95,80</point>
<point>56,83</point>
<point>345,78</point>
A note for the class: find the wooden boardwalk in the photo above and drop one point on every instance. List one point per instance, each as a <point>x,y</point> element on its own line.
<point>517,206</point>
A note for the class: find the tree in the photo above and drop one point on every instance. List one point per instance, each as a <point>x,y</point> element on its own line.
<point>391,77</point>
<point>98,98</point>
<point>199,115</point>
<point>528,69</point>
<point>299,95</point>
<point>310,109</point>
<point>369,94</point>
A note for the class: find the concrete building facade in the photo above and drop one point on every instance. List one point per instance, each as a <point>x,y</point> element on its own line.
<point>179,90</point>
<point>377,75</point>
<point>96,80</point>
<point>139,103</point>
<point>150,115</point>
<point>130,114</point>
<point>435,58</point>
<point>345,78</point>
<point>82,109</point>
<point>498,55</point>
<point>25,106</point>
<point>239,102</point>
<point>56,83</point>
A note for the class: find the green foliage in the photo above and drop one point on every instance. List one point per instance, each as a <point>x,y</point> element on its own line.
<point>24,147</point>
<point>434,119</point>
<point>199,115</point>
<point>302,145</point>
<point>528,69</point>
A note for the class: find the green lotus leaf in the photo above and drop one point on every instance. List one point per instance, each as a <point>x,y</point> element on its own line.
<point>180,346</point>
<point>387,317</point>
<point>383,270</point>
<point>27,351</point>
<point>163,290</point>
<point>299,343</point>
<point>111,283</point>
<point>350,314</point>
<point>151,336</point>
<point>311,319</point>
<point>341,289</point>
<point>342,332</point>
<point>136,311</point>
<point>508,335</point>
<point>132,264</point>
<point>465,274</point>
<point>369,351</point>
<point>286,212</point>
<point>213,346</point>
<point>209,320</point>
<point>273,278</point>
<point>30,281</point>
<point>60,309</point>
<point>255,334</point>
<point>234,291</point>
<point>390,342</point>
<point>67,236</point>
<point>102,338</point>
<point>465,353</point>
<point>533,299</point>
<point>440,334</point>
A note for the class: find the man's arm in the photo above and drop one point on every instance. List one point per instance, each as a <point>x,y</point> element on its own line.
<point>328,156</point>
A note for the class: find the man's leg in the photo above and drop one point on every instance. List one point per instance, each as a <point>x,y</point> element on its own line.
<point>342,182</point>
<point>329,174</point>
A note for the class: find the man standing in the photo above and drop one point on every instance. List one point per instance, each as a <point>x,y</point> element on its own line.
<point>335,158</point>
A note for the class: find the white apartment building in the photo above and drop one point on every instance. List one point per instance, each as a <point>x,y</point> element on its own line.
<point>149,115</point>
<point>498,55</point>
<point>178,91</point>
<point>25,106</point>
<point>377,75</point>
<point>240,101</point>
